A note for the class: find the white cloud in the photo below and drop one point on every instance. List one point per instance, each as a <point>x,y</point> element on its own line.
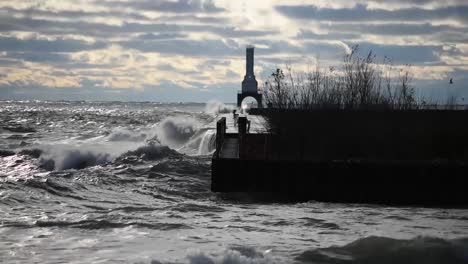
<point>200,44</point>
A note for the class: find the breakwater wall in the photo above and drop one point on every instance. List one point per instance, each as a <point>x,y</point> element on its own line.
<point>389,182</point>
<point>370,134</point>
<point>403,157</point>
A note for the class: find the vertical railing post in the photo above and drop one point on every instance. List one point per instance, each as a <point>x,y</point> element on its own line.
<point>242,126</point>
<point>220,133</point>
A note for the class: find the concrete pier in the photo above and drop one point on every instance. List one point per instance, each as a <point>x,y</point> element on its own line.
<point>245,161</point>
<point>400,157</point>
<point>228,137</point>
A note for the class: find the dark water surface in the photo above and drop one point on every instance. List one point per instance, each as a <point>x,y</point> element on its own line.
<point>129,183</point>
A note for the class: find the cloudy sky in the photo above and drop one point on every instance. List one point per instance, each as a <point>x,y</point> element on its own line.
<point>194,50</point>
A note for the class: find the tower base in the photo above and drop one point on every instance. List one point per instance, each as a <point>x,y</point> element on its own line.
<point>257,96</point>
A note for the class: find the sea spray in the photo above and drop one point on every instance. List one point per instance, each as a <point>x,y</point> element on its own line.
<point>201,143</point>
<point>186,134</point>
<point>175,131</point>
<point>69,156</point>
<point>129,135</point>
<point>178,132</point>
<point>79,154</point>
<point>207,142</point>
<point>216,107</point>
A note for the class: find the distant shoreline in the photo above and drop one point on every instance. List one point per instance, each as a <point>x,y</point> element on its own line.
<point>102,101</point>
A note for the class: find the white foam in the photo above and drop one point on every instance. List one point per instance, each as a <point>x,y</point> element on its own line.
<point>216,107</point>
<point>71,156</point>
<point>229,257</point>
<point>179,132</point>
<point>205,146</point>
<point>175,131</point>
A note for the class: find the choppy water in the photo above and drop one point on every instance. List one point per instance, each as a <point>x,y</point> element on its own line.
<point>129,183</point>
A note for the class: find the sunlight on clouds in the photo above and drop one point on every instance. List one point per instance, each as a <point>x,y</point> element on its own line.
<point>458,61</point>
<point>431,72</point>
<point>122,83</point>
<point>399,4</point>
<point>35,74</point>
<point>135,70</point>
<point>80,5</point>
<point>136,45</point>
<point>112,56</point>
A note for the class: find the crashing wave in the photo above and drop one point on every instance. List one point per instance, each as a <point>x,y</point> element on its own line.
<point>201,143</point>
<point>127,135</point>
<point>150,152</point>
<point>63,158</point>
<point>233,255</point>
<point>79,155</point>
<point>388,250</point>
<point>216,107</point>
<point>175,131</point>
<point>186,135</point>
<point>180,132</point>
<point>207,142</point>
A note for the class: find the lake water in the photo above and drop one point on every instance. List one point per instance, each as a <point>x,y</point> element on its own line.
<point>114,182</point>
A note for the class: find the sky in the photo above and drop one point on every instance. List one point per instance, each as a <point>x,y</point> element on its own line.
<point>194,50</point>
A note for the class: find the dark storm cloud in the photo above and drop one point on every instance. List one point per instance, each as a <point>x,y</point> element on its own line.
<point>46,26</point>
<point>152,36</point>
<point>69,14</point>
<point>112,13</point>
<point>233,32</point>
<point>182,47</point>
<point>421,2</point>
<point>179,6</point>
<point>39,56</point>
<point>40,45</point>
<point>451,37</point>
<point>213,36</point>
<point>218,62</point>
<point>105,30</point>
<point>218,48</point>
<point>306,34</point>
<point>195,18</point>
<point>361,13</point>
<point>398,29</point>
<point>307,48</point>
<point>4,62</point>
